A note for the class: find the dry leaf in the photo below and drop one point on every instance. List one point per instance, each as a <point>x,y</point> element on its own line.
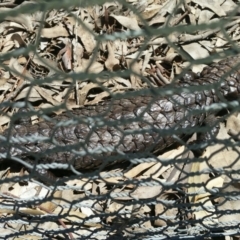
<point>54,32</point>
<point>51,206</point>
<point>130,23</point>
<point>112,62</point>
<point>146,192</point>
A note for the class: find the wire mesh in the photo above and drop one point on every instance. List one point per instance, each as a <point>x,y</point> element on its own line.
<point>96,142</point>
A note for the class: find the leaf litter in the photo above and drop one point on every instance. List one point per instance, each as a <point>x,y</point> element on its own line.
<point>68,42</point>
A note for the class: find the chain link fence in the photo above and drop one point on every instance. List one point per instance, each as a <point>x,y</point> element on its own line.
<point>106,133</point>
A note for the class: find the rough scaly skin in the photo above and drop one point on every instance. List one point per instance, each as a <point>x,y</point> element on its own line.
<point>148,113</point>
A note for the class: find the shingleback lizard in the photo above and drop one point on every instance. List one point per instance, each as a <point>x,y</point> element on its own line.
<point>121,126</point>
